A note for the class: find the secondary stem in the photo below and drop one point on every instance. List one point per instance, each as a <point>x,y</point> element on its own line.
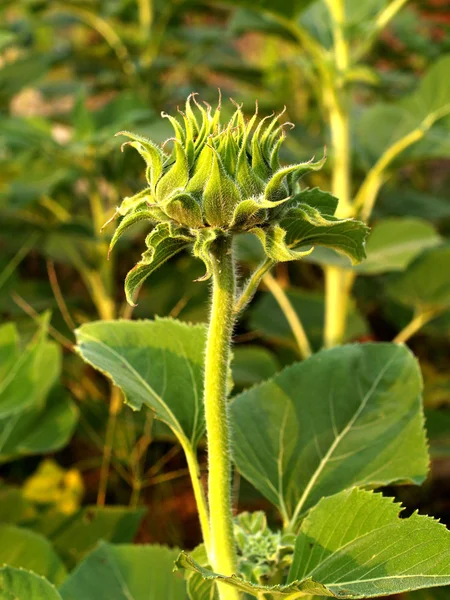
<point>223,554</point>
<point>416,323</point>
<point>292,318</point>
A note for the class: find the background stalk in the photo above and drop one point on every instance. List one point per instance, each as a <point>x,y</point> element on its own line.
<point>337,284</point>
<point>223,554</point>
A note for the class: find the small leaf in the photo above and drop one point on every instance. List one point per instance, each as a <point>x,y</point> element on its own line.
<point>131,203</point>
<point>248,211</point>
<point>324,202</point>
<point>202,249</point>
<point>126,572</point>
<point>145,213</point>
<point>152,155</point>
<point>17,584</point>
<point>162,243</point>
<point>305,225</point>
<point>355,544</point>
<point>347,416</point>
<point>273,240</point>
<point>176,177</point>
<point>276,189</point>
<point>156,363</point>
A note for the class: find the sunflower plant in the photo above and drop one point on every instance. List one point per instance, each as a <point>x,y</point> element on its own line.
<point>314,440</point>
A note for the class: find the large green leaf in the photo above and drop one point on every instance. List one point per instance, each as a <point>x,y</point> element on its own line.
<point>394,243</point>
<point>310,308</point>
<point>25,376</point>
<point>384,124</point>
<point>29,550</point>
<point>285,9</point>
<point>252,364</point>
<point>356,545</point>
<point>39,429</point>
<point>157,363</point>
<point>347,416</point>
<point>74,535</point>
<point>125,572</point>
<point>17,584</point>
<point>426,283</point>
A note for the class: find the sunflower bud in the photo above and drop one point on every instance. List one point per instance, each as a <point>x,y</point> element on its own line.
<point>220,179</point>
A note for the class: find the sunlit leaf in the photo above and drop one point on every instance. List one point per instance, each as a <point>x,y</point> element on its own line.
<point>346,416</point>
<point>156,363</point>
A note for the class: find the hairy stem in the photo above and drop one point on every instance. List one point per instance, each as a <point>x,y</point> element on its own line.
<point>222,555</point>
<point>252,285</point>
<point>292,317</point>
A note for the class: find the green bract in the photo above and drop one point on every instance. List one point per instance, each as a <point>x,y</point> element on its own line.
<point>222,179</point>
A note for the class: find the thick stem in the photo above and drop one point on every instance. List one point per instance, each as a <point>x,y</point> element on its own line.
<point>223,554</point>
<point>336,284</point>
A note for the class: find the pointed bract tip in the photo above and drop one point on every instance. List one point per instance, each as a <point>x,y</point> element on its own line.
<point>110,220</point>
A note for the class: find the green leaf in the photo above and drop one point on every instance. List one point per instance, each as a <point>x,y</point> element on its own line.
<point>39,429</point>
<point>309,306</point>
<point>157,363</point>
<point>273,240</point>
<point>394,243</point>
<point>324,202</point>
<point>29,550</point>
<point>346,416</point>
<point>17,584</point>
<point>126,572</point>
<point>74,535</point>
<point>356,545</point>
<point>26,376</point>
<point>382,125</point>
<point>252,364</point>
<point>276,188</point>
<point>425,284</point>
<point>285,9</point>
<point>152,155</point>
<point>306,226</point>
<point>162,243</point>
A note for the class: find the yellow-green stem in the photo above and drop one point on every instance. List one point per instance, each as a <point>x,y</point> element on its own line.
<point>223,554</point>
<point>199,493</point>
<point>420,319</point>
<point>336,280</point>
<point>304,348</point>
<point>115,405</point>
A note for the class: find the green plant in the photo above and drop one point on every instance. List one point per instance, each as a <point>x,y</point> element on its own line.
<point>310,439</point>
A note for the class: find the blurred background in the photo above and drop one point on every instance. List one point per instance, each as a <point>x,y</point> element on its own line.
<point>76,464</point>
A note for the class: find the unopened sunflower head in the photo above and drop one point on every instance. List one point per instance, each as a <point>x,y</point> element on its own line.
<point>219,179</point>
